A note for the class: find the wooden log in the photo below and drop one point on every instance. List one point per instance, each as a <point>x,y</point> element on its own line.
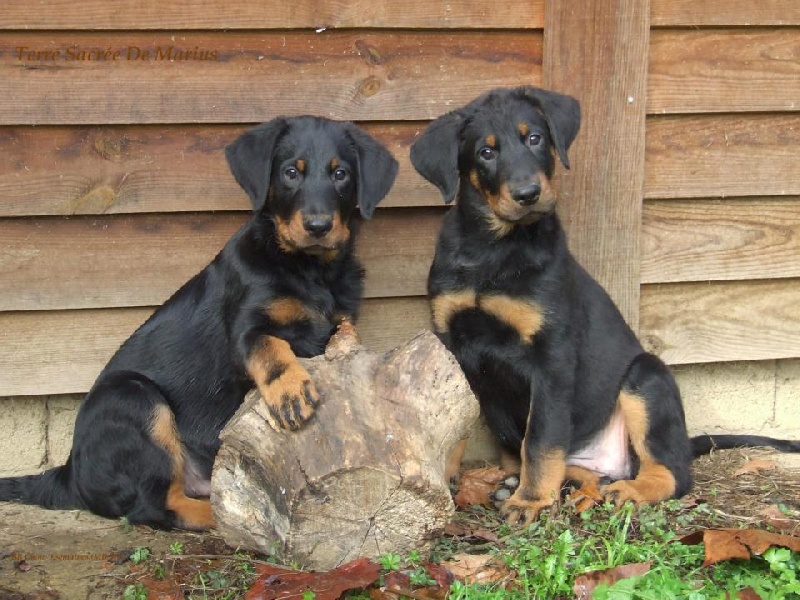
<point>366,475</point>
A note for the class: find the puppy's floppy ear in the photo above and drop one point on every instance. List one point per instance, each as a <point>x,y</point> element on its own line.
<point>377,169</point>
<point>563,115</point>
<point>250,158</point>
<point>435,154</point>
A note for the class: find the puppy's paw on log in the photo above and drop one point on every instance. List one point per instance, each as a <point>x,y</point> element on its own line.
<point>291,398</point>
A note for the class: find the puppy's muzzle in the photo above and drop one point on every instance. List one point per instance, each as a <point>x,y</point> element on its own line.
<point>318,226</point>
<point>527,195</point>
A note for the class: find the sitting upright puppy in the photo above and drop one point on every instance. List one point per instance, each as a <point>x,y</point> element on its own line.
<point>147,433</point>
<point>562,380</point>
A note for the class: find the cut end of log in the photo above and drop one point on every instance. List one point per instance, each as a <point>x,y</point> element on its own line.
<point>365,512</point>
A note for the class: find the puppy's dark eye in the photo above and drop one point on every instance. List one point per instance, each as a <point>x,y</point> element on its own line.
<point>487,153</point>
<point>534,139</point>
<point>340,174</point>
<point>291,173</point>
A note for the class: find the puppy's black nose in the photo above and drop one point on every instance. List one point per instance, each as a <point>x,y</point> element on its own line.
<point>527,195</point>
<point>318,225</point>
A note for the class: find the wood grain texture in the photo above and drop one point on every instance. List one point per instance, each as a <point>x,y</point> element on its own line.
<point>724,70</point>
<point>266,14</point>
<point>62,352</point>
<point>70,170</point>
<point>597,52</point>
<point>724,12</point>
<point>721,321</point>
<point>712,240</point>
<point>722,155</point>
<point>141,260</point>
<point>366,75</point>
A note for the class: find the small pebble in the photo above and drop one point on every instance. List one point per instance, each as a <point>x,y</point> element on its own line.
<point>502,495</point>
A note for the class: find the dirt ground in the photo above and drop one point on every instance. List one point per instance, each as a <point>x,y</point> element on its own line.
<point>72,555</point>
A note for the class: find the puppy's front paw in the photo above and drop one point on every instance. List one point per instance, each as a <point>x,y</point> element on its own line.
<point>518,510</point>
<point>291,398</point>
<point>621,492</point>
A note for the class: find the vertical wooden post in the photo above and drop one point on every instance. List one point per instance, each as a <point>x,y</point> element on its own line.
<point>596,50</point>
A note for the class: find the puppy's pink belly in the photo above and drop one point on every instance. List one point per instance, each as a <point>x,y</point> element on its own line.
<point>608,454</point>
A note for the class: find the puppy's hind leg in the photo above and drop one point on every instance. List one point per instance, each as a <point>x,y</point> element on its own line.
<point>651,406</point>
<point>127,456</point>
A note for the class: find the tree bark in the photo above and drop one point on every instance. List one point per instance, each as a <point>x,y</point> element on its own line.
<point>366,475</point>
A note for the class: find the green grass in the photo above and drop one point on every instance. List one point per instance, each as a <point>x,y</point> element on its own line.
<point>547,557</point>
<point>553,551</point>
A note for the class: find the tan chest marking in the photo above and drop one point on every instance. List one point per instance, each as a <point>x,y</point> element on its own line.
<point>525,316</point>
<point>445,305</point>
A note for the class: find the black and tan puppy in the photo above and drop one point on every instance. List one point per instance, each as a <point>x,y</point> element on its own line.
<point>147,432</point>
<point>562,380</point>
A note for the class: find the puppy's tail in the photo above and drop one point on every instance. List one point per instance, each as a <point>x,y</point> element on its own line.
<point>51,489</point>
<point>703,444</point>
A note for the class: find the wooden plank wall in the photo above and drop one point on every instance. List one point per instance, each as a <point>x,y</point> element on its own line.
<point>720,239</point>
<point>113,184</point>
<point>596,50</point>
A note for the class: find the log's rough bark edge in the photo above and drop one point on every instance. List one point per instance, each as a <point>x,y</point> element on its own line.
<point>366,475</point>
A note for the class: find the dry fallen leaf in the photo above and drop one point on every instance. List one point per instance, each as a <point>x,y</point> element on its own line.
<point>477,568</point>
<point>692,501</point>
<point>455,528</point>
<point>397,586</point>
<point>585,584</point>
<point>748,593</point>
<point>440,574</point>
<point>777,519</point>
<point>587,496</point>
<point>724,544</point>
<point>755,466</point>
<point>275,583</point>
<point>476,485</point>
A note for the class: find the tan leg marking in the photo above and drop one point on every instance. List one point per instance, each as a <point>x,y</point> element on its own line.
<point>654,482</point>
<point>510,463</point>
<point>526,316</point>
<point>192,513</point>
<point>452,470</point>
<point>446,304</point>
<point>539,486</point>
<point>285,385</point>
<point>581,475</point>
